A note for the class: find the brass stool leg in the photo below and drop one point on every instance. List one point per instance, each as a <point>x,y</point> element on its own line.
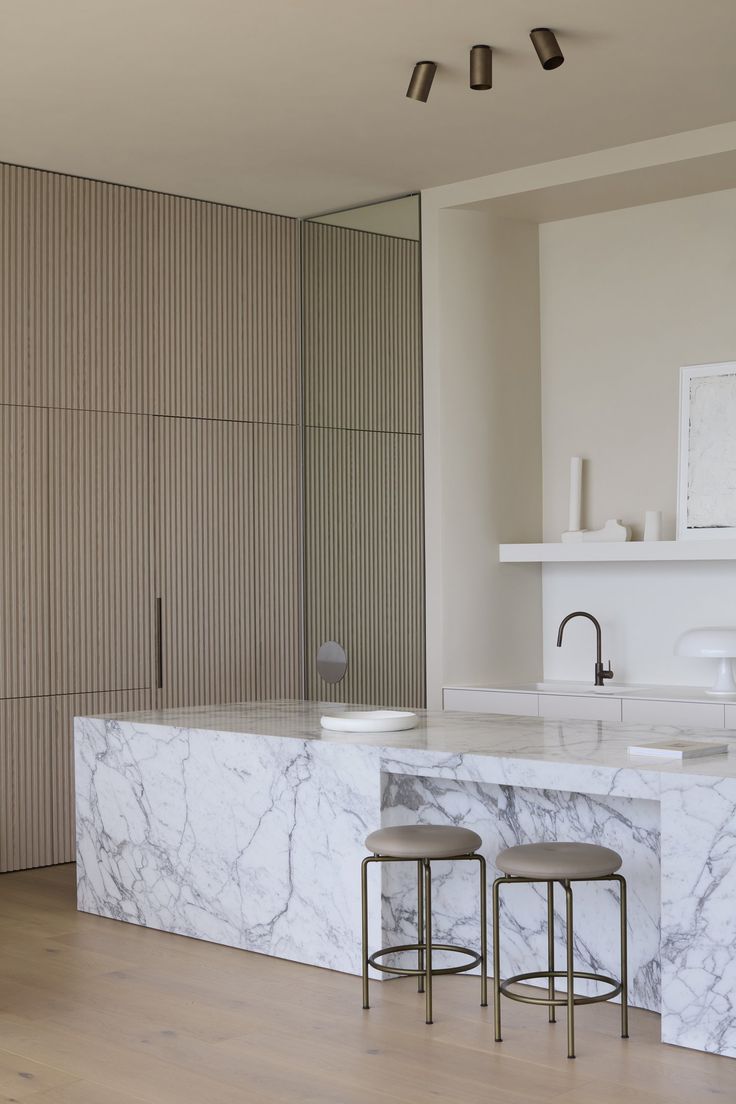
<point>420,926</point>
<point>570,974</point>
<point>428,936</point>
<point>551,948</point>
<point>364,919</point>
<point>483,934</point>
<point>496,961</point>
<point>624,962</point>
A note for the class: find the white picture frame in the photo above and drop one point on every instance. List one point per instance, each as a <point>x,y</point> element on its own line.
<point>706,484</point>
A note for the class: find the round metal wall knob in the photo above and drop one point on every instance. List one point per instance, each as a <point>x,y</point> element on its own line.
<point>332,661</point>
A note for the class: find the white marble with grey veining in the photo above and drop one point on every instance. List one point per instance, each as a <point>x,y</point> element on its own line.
<point>507,815</point>
<point>699,912</point>
<point>252,843</point>
<point>244,825</point>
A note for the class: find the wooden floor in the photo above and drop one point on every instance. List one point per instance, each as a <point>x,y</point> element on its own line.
<point>96,1012</point>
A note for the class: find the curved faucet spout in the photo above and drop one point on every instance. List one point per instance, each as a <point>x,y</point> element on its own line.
<point>600,672</point>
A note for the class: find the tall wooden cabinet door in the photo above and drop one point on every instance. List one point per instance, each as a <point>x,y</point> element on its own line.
<point>102,607</point>
<point>204,554</point>
<point>364,564</point>
<point>26,783</point>
<point>61,713</point>
<point>24,553</point>
<point>37,773</point>
<point>274,634</point>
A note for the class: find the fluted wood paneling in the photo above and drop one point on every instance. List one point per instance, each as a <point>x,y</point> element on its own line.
<point>362,321</point>
<point>364,555</point>
<point>227,560</point>
<point>25,646</point>
<point>117,302</point>
<point>26,783</point>
<point>274,632</point>
<point>114,298</point>
<point>365,570</point>
<point>75,592</point>
<point>37,774</point>
<point>99,572</point>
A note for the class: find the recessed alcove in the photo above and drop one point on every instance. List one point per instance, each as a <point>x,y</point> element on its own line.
<point>560,303</point>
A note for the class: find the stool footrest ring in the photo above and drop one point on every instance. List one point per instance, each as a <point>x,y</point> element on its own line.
<point>559,1002</point>
<point>475,959</point>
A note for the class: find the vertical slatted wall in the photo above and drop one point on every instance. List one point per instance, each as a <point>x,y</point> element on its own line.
<point>25,654</point>
<point>37,773</point>
<point>228,560</point>
<point>151,446</point>
<point>148,364</point>
<point>119,299</point>
<point>98,577</point>
<point>363,463</point>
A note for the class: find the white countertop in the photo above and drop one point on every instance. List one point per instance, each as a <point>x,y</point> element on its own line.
<point>642,691</point>
<point>594,744</point>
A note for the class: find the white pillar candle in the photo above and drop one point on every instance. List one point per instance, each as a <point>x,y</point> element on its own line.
<point>576,494</point>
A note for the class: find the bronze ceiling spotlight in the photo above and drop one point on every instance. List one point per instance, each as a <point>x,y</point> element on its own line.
<point>421,80</point>
<point>481,68</point>
<point>481,65</point>
<point>548,48</point>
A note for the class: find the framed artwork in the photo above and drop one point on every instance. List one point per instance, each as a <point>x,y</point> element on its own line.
<point>706,492</point>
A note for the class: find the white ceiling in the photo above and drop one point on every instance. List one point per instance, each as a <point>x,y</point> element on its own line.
<point>298,106</point>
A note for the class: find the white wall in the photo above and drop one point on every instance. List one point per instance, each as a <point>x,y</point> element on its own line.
<point>643,608</point>
<point>627,297</point>
<point>482,446</point>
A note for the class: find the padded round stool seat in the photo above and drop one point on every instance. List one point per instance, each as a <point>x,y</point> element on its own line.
<point>558,861</point>
<point>560,864</point>
<point>420,844</point>
<point>423,841</point>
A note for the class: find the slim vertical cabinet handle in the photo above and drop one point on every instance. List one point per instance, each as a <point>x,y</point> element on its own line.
<point>159,646</point>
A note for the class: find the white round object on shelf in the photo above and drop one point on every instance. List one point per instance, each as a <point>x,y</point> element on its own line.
<point>370,720</point>
<point>712,643</point>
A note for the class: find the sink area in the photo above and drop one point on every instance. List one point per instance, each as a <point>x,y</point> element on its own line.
<point>585,688</point>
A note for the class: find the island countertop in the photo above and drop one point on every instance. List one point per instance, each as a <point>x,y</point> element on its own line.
<point>245,824</point>
<point>579,743</point>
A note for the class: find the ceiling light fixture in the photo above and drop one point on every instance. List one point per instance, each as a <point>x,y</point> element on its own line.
<point>481,65</point>
<point>548,48</point>
<point>481,68</point>
<point>421,80</point>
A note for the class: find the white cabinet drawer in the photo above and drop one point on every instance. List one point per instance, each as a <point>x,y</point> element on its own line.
<point>490,701</point>
<point>685,714</point>
<point>564,708</point>
<point>731,716</point>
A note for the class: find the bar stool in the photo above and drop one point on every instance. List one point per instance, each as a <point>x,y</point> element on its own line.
<point>423,843</point>
<point>564,863</point>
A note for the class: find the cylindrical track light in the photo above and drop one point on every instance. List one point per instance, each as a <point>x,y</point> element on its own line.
<point>548,48</point>
<point>481,68</point>
<point>421,80</point>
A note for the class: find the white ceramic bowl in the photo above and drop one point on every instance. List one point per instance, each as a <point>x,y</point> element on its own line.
<point>370,720</point>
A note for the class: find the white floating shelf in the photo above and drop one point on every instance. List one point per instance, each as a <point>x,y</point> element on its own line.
<point>621,552</point>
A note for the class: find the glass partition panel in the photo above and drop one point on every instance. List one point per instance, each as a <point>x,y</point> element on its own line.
<point>364,529</point>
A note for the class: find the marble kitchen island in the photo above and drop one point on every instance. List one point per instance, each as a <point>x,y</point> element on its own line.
<point>244,825</point>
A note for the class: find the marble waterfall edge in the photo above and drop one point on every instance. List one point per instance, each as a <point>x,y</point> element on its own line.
<point>245,825</point>
<point>253,845</point>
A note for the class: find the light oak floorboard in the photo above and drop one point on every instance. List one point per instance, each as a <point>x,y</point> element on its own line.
<point>97,1012</point>
<point>20,1079</point>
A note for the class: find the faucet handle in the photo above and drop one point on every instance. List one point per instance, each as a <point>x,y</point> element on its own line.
<point>609,673</point>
